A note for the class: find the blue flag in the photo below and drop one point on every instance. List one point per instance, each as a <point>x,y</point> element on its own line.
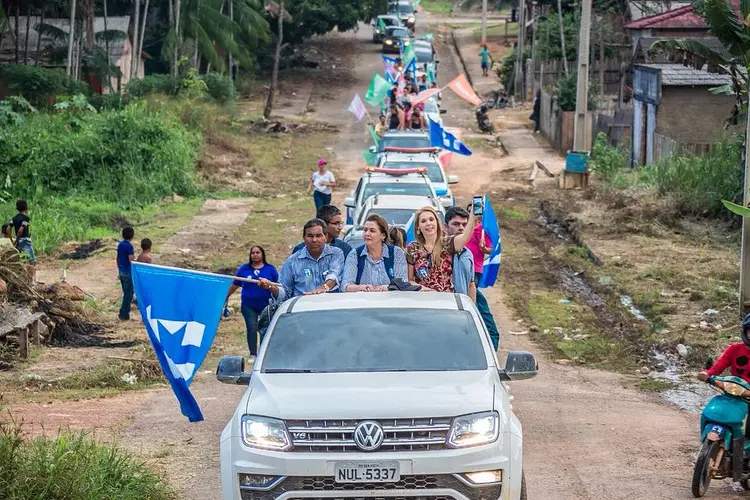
<point>389,62</point>
<point>442,139</point>
<point>410,230</point>
<point>492,261</point>
<point>181,310</point>
<point>412,68</point>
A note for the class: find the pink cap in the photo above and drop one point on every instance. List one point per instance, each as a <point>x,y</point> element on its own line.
<point>322,161</point>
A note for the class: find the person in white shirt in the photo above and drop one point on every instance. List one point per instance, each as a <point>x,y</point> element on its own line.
<point>321,183</point>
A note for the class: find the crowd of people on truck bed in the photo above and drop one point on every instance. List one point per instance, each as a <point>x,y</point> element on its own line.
<point>446,256</point>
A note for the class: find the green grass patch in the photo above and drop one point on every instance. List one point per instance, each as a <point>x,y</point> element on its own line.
<point>497,30</point>
<point>438,6</point>
<point>518,213</point>
<point>580,338</point>
<point>654,385</point>
<point>105,380</point>
<point>72,466</point>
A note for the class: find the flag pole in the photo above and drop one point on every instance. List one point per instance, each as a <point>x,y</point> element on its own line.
<point>204,273</point>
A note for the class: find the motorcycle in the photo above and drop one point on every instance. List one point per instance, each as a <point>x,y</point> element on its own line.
<point>483,121</point>
<point>724,451</point>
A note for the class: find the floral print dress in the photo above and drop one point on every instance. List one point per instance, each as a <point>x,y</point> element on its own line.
<point>438,276</point>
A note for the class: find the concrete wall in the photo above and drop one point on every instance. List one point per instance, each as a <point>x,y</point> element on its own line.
<point>692,115</point>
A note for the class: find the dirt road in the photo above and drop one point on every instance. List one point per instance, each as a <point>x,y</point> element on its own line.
<point>586,435</point>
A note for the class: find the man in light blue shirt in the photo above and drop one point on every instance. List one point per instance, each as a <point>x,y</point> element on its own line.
<point>456,219</point>
<point>315,268</point>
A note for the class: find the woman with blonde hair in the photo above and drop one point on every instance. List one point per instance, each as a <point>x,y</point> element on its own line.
<point>430,257</point>
<point>372,266</point>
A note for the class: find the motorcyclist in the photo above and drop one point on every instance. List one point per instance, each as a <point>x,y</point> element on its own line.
<point>483,120</point>
<point>736,357</point>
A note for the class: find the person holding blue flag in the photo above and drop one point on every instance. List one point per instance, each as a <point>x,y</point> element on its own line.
<point>314,269</point>
<point>456,220</point>
<point>254,298</point>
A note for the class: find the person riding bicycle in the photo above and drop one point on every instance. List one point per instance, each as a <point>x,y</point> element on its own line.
<point>736,357</point>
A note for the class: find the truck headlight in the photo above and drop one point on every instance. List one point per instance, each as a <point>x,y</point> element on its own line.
<point>473,430</point>
<point>389,42</point>
<point>265,433</point>
<point>411,19</point>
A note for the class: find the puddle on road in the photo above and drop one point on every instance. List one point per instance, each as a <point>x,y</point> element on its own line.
<point>688,393</point>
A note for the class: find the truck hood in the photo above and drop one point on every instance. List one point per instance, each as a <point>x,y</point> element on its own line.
<point>299,396</point>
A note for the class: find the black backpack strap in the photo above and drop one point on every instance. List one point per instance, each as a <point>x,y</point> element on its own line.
<point>360,263</point>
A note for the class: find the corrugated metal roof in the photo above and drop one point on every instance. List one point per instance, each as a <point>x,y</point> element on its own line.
<point>680,18</point>
<point>677,75</point>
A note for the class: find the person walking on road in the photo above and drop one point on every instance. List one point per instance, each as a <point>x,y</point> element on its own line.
<point>254,298</point>
<point>125,255</point>
<point>484,54</point>
<point>321,184</point>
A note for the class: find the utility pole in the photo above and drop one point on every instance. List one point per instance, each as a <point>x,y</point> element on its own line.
<point>518,85</point>
<point>745,255</point>
<point>582,93</point>
<point>484,22</point>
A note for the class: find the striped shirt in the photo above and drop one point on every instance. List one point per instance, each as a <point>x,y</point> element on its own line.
<point>374,271</point>
<point>302,273</point>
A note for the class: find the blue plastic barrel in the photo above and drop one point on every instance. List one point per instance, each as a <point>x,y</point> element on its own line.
<point>577,161</point>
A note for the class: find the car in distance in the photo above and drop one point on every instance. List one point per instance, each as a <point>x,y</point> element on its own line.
<point>395,38</point>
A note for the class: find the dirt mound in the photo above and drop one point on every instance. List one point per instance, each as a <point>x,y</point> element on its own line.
<point>84,250</point>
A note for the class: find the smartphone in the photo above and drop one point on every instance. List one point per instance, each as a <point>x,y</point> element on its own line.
<point>478,205</point>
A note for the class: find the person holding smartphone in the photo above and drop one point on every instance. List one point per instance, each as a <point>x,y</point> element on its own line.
<point>429,258</point>
<point>480,243</point>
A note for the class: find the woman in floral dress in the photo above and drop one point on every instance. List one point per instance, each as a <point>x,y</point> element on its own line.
<point>429,259</point>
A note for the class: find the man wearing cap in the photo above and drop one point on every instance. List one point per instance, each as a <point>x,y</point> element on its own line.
<point>321,183</point>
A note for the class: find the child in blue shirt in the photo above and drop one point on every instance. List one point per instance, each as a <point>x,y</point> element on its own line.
<point>125,255</point>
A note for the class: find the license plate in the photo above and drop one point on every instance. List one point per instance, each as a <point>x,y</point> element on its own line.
<point>367,472</point>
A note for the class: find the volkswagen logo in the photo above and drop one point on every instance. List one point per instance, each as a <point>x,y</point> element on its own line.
<point>368,435</point>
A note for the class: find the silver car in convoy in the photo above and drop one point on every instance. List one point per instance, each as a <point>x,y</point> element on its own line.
<point>387,395</point>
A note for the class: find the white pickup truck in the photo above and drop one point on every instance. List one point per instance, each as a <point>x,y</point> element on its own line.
<point>392,396</point>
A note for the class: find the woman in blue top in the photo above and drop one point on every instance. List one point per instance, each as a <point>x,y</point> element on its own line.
<point>371,267</point>
<point>254,298</point>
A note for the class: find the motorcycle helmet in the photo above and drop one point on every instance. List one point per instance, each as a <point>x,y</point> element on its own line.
<point>745,330</point>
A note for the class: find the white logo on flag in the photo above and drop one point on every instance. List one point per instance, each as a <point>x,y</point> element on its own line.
<point>193,336</point>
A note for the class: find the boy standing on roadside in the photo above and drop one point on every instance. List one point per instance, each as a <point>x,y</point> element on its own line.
<point>21,224</point>
<point>145,255</point>
<point>125,255</point>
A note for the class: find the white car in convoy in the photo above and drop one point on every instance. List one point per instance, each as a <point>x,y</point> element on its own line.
<point>386,395</point>
<point>394,161</point>
<point>375,181</point>
<point>397,210</point>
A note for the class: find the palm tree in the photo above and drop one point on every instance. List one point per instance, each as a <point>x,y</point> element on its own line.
<point>71,37</point>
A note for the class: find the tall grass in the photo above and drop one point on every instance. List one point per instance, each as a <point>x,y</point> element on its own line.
<point>72,466</point>
<point>694,185</point>
<point>697,184</point>
<point>80,171</point>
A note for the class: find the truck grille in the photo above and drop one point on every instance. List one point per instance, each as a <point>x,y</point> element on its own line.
<point>416,434</point>
<point>430,487</point>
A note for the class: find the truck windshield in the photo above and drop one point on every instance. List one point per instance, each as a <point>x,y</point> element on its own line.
<point>406,188</point>
<point>433,169</point>
<point>374,340</point>
<point>404,141</point>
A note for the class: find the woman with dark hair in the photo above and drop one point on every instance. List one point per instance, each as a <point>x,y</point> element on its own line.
<point>372,266</point>
<point>254,298</point>
<point>397,236</point>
